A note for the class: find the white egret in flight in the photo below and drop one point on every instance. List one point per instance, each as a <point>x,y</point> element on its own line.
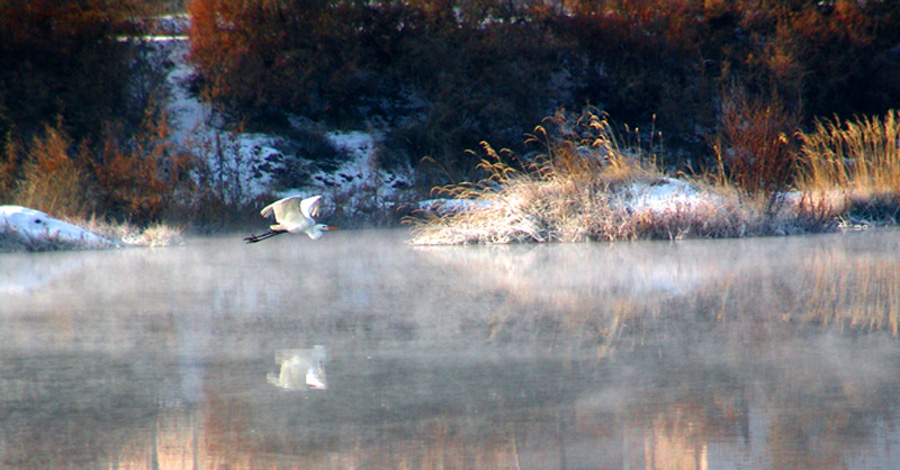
<point>294,215</point>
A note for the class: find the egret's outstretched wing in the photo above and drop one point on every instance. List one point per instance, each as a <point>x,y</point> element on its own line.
<point>286,210</point>
<point>267,211</point>
<point>310,206</point>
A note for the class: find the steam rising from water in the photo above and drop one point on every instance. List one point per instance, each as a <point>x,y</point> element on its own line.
<point>753,351</point>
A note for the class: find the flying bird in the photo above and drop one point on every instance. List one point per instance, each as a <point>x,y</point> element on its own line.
<point>293,215</point>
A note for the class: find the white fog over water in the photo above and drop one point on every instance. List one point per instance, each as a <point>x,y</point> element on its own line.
<point>359,351</point>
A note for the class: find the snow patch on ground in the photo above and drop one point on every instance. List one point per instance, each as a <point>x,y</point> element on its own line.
<point>32,224</point>
<point>662,195</point>
<point>362,170</point>
<point>447,206</point>
<point>242,157</point>
<point>186,110</point>
<point>359,188</point>
<point>658,196</point>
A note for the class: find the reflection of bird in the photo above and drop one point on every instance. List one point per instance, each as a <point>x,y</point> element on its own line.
<point>293,215</point>
<point>301,369</point>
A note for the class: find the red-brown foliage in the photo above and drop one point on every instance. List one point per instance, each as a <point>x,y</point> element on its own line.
<point>451,74</point>
<point>137,175</point>
<point>52,177</point>
<point>756,145</point>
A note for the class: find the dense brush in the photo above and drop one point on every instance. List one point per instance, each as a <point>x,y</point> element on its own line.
<point>572,192</point>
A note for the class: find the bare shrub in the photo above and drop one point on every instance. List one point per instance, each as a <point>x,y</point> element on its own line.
<point>223,173</point>
<point>754,145</point>
<point>9,164</point>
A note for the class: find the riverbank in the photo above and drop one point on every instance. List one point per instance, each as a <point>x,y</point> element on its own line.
<point>30,230</point>
<point>587,187</point>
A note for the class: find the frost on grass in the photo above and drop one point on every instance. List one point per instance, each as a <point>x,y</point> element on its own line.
<point>540,211</point>
<point>586,188</point>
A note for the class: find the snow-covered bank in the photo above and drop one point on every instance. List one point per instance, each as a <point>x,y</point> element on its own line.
<point>655,196</point>
<point>249,161</point>
<point>27,229</point>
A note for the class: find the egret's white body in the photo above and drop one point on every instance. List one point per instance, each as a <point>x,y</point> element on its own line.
<point>293,215</point>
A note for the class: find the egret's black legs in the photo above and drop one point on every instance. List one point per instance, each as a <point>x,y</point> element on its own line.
<point>259,238</point>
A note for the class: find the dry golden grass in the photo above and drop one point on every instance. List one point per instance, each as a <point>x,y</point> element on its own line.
<point>132,235</point>
<point>854,167</point>
<point>580,190</point>
<point>562,195</point>
<point>845,173</point>
<point>51,180</point>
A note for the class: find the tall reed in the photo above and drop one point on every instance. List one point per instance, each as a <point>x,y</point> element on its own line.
<point>855,161</point>
<point>566,193</point>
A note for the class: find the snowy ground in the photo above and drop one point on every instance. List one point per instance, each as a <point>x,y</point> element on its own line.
<point>31,227</point>
<point>197,128</point>
<point>658,196</point>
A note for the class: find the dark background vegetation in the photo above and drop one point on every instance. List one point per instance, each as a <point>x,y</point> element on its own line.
<point>448,74</point>
<point>438,76</point>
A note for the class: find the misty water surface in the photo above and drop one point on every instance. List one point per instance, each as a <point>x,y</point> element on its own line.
<point>358,351</point>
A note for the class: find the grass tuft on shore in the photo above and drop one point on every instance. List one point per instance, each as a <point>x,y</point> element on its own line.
<point>854,167</point>
<point>583,187</point>
<point>132,235</point>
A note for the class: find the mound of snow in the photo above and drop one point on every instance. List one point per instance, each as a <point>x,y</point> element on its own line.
<point>656,196</point>
<point>36,225</point>
<point>663,194</point>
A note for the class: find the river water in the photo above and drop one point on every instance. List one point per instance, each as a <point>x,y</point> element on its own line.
<point>359,351</point>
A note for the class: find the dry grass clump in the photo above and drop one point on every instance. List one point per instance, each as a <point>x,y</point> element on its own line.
<point>579,190</point>
<point>853,167</point>
<point>132,235</point>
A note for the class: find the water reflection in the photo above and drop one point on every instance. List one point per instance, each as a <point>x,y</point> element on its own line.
<point>764,353</point>
<point>301,369</point>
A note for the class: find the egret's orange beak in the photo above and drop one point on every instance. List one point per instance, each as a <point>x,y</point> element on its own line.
<point>329,227</point>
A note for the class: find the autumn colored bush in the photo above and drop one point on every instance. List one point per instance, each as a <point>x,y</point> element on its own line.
<point>443,82</point>
<point>755,146</point>
<point>9,164</point>
<point>52,178</point>
<point>129,177</point>
<point>446,75</point>
<point>137,176</point>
